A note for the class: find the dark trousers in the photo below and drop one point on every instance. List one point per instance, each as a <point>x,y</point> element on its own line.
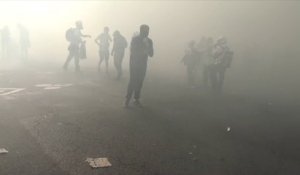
<point>191,74</point>
<point>205,75</point>
<point>73,53</point>
<point>104,56</point>
<point>217,75</point>
<point>118,59</point>
<point>137,76</point>
<point>5,51</point>
<point>24,52</point>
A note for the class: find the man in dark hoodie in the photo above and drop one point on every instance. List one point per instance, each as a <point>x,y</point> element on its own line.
<point>140,49</point>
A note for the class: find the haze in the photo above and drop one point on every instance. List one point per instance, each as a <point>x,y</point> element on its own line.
<point>252,127</point>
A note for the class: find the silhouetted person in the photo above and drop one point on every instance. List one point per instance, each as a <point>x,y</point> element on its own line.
<point>118,51</point>
<point>74,36</point>
<point>222,60</point>
<point>103,40</point>
<point>24,41</point>
<point>191,60</point>
<point>140,49</point>
<point>206,59</point>
<point>5,41</point>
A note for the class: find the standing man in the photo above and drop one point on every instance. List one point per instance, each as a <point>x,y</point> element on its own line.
<point>190,60</point>
<point>141,48</point>
<point>103,41</point>
<point>24,41</point>
<point>118,50</point>
<point>74,36</point>
<point>222,60</point>
<point>207,60</point>
<point>5,42</point>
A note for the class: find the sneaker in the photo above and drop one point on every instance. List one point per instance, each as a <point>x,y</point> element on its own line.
<point>126,104</point>
<point>138,103</point>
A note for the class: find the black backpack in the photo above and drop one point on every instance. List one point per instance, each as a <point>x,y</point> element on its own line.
<point>69,34</point>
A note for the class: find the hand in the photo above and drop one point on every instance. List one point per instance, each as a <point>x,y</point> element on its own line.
<point>146,41</point>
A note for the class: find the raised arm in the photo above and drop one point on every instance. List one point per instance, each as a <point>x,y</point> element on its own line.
<point>85,36</point>
<point>97,40</point>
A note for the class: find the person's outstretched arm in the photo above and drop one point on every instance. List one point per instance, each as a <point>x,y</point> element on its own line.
<point>97,40</point>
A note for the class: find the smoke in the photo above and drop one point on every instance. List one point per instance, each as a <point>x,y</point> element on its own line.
<point>264,35</point>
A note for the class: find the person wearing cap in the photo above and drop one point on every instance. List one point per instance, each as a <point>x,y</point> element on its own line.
<point>103,41</point>
<point>141,48</point>
<point>75,44</point>
<point>118,51</point>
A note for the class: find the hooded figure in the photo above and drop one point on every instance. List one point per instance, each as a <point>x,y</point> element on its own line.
<point>140,49</point>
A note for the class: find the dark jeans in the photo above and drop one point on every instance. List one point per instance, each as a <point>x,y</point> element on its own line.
<point>137,76</point>
<point>104,55</point>
<point>205,75</point>
<point>217,75</point>
<point>73,53</point>
<point>118,59</point>
<point>191,74</point>
<point>24,52</point>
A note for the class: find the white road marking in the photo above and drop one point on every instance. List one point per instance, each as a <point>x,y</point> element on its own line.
<point>53,86</point>
<point>9,91</point>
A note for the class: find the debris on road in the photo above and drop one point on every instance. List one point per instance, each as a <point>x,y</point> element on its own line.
<point>194,159</point>
<point>228,129</point>
<point>99,162</point>
<point>3,151</point>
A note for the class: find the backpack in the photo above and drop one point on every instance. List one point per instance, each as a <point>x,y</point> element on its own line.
<point>69,34</point>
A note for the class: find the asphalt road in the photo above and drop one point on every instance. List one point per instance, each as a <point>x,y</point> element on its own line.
<point>179,131</point>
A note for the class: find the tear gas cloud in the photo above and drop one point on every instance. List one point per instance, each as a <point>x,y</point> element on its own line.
<point>263,35</point>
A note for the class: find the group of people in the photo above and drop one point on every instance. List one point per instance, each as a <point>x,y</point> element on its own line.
<point>77,48</point>
<point>6,42</point>
<point>141,48</point>
<point>118,49</point>
<point>212,58</point>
